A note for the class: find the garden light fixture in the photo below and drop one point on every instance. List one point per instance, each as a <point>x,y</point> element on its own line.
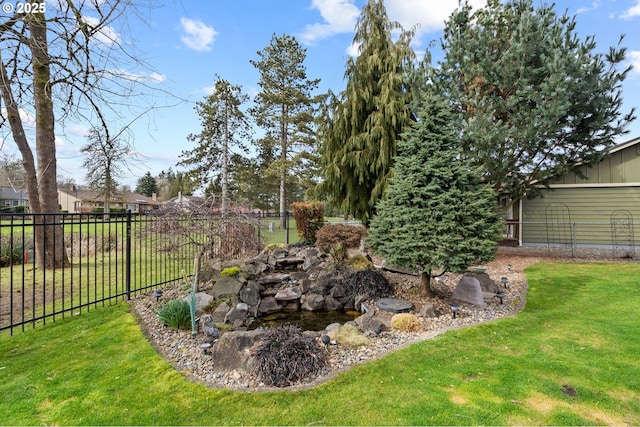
<point>157,294</point>
<point>454,308</point>
<point>505,282</point>
<point>500,294</point>
<point>205,347</point>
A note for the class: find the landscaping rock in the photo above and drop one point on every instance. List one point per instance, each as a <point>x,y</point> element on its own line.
<point>250,294</point>
<point>202,300</point>
<point>226,287</point>
<point>486,284</point>
<point>268,305</point>
<point>332,304</point>
<point>394,305</point>
<point>289,294</point>
<point>232,351</point>
<point>272,279</point>
<point>313,302</point>
<point>469,290</point>
<point>220,312</point>
<point>237,313</point>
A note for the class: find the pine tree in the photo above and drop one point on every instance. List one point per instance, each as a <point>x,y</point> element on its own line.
<point>359,128</point>
<point>147,185</point>
<point>285,107</point>
<point>224,127</point>
<point>436,214</point>
<point>537,99</point>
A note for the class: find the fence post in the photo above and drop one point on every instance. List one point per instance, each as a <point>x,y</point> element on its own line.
<point>286,227</point>
<point>128,256</point>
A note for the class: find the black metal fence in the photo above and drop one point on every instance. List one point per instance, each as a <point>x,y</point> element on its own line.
<point>107,258</point>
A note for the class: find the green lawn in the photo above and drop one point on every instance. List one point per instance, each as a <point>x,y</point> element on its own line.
<point>579,331</point>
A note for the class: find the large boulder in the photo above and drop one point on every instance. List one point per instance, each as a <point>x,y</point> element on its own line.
<point>486,283</point>
<point>368,322</point>
<point>268,305</point>
<point>250,294</point>
<point>233,350</point>
<point>313,302</point>
<point>226,287</point>
<point>469,290</point>
<point>202,300</point>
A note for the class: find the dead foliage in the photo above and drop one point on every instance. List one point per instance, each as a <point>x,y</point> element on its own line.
<point>285,356</point>
<point>370,283</point>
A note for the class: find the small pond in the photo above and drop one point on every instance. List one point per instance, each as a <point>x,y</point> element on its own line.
<point>306,320</point>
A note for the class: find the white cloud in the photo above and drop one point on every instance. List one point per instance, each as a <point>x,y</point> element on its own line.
<point>594,5</point>
<point>353,49</point>
<point>77,129</point>
<point>428,15</point>
<point>151,77</point>
<point>633,11</point>
<point>197,35</point>
<point>634,59</point>
<point>339,16</point>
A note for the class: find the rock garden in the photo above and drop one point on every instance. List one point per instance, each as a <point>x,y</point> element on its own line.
<point>248,335</point>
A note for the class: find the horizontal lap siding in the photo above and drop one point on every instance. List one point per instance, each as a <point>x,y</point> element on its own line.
<point>585,205</point>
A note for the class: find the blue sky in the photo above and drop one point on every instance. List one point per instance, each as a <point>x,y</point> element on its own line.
<point>186,43</point>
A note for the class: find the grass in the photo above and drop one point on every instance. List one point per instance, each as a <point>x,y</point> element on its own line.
<point>577,332</point>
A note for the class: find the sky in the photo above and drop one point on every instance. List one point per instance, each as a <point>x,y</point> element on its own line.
<point>186,43</point>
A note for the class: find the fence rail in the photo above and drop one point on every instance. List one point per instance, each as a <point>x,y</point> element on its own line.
<point>618,237</point>
<point>109,258</point>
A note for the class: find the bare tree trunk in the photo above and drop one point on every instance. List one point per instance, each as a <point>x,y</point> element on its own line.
<point>426,284</point>
<point>225,160</point>
<point>50,251</point>
<point>283,169</point>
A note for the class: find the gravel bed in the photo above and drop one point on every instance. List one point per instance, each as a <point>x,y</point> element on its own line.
<point>182,349</point>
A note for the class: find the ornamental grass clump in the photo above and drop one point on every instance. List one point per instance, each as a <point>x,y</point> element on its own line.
<point>406,322</point>
<point>176,314</point>
<point>285,356</point>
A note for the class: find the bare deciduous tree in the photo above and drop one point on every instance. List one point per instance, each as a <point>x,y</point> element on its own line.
<point>63,61</point>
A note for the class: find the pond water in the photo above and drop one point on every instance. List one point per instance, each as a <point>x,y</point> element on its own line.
<point>306,320</point>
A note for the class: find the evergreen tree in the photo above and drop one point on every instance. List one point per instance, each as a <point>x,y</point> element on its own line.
<point>224,126</point>
<point>536,98</point>
<point>359,128</point>
<point>285,107</point>
<point>436,214</point>
<point>147,185</point>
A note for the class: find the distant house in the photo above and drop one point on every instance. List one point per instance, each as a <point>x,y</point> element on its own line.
<point>12,200</point>
<point>85,201</point>
<point>185,203</point>
<point>597,210</point>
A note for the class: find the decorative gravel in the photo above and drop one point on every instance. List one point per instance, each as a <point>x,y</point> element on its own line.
<point>183,351</point>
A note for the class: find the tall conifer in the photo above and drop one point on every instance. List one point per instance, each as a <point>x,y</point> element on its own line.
<point>437,215</point>
<point>359,128</point>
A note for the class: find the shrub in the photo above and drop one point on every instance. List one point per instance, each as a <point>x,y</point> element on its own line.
<point>285,356</point>
<point>370,283</point>
<point>230,271</point>
<point>406,322</point>
<point>359,262</point>
<point>309,219</point>
<point>13,252</point>
<point>349,335</point>
<point>332,234</point>
<point>176,314</point>
<point>338,252</point>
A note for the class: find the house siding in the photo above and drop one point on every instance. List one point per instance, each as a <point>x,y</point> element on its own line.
<point>585,210</point>
<point>618,167</point>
